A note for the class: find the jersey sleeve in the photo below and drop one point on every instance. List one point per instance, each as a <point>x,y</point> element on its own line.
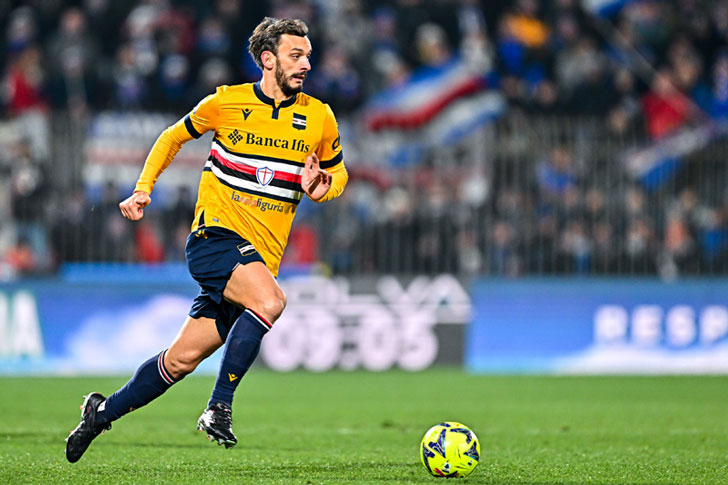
<point>332,156</point>
<point>200,120</point>
<point>204,117</point>
<point>329,151</point>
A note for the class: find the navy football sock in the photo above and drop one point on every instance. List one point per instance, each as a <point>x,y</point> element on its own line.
<point>150,381</point>
<point>241,348</point>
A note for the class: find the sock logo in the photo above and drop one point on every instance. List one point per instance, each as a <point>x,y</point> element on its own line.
<point>232,377</point>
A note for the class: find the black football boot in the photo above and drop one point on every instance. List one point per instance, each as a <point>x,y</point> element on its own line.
<point>217,422</point>
<point>81,437</point>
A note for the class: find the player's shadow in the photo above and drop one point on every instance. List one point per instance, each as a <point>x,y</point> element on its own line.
<point>159,445</point>
<point>201,443</point>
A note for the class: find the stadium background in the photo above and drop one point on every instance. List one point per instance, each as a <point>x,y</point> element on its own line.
<point>534,186</point>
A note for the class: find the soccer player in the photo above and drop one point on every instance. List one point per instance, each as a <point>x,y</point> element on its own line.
<point>272,144</point>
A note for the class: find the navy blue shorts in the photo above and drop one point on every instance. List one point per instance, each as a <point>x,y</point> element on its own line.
<point>212,254</point>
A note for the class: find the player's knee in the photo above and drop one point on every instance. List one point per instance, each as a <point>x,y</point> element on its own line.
<point>272,306</point>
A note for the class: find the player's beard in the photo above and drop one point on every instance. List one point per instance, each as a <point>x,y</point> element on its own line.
<point>282,79</point>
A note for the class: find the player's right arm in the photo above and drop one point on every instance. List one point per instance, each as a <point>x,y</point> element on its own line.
<point>199,121</point>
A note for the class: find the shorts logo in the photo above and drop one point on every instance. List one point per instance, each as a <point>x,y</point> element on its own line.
<point>246,249</point>
<point>265,175</point>
<point>232,377</point>
<point>299,121</point>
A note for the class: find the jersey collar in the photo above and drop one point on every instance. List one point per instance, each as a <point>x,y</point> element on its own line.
<point>267,100</point>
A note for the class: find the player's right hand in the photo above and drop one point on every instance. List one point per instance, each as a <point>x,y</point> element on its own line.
<point>133,207</point>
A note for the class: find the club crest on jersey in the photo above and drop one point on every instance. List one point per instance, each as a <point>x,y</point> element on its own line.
<point>265,175</point>
<point>299,121</point>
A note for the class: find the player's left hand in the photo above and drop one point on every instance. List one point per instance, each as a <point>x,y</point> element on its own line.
<point>315,181</point>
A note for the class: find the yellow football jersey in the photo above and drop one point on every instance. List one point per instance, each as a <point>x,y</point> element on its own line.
<point>251,183</point>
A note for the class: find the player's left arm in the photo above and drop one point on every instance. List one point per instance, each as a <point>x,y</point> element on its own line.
<point>325,175</point>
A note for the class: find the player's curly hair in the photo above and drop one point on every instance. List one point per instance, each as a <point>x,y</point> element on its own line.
<point>267,35</point>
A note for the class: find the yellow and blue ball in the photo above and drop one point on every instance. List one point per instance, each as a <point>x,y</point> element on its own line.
<point>450,449</point>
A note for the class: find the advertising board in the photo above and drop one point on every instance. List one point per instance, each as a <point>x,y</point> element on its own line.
<point>357,323</point>
<point>599,326</point>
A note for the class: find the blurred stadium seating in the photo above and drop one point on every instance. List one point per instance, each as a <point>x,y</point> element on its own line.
<point>482,138</point>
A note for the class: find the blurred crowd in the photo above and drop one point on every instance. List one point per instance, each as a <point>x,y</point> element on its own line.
<point>658,64</point>
<point>543,216</point>
<point>168,54</point>
<point>647,72</point>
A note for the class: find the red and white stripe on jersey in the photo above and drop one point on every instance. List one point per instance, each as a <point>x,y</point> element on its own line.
<point>238,171</point>
<point>262,321</point>
<point>162,370</point>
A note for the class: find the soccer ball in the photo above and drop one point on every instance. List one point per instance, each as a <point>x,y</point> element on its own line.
<point>450,449</point>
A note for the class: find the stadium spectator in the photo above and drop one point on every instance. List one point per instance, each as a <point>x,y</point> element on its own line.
<point>666,108</point>
<point>303,245</point>
<point>625,113</point>
<point>173,84</point>
<point>717,104</point>
<point>29,194</point>
<point>639,254</point>
<point>525,27</point>
<point>70,231</point>
<point>149,247</point>
<point>556,173</point>
<point>336,80</point>
<point>432,46</point>
<point>504,257</point>
<point>129,86</point>
<point>176,224</point>
<point>21,258</point>
<point>575,245</point>
<point>21,29</point>
<point>604,248</point>
<point>26,98</point>
<point>25,83</point>
<point>115,240</point>
<point>73,55</point>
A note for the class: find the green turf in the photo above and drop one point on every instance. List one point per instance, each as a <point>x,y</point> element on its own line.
<point>365,428</point>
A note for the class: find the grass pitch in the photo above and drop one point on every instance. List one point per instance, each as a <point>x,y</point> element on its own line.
<point>355,427</point>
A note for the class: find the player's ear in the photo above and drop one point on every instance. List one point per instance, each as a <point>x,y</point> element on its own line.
<point>269,59</point>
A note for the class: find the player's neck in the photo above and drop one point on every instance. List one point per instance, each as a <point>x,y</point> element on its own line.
<point>270,88</point>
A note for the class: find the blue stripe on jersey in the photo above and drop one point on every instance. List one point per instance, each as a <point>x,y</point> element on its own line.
<point>333,161</point>
<point>191,128</point>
